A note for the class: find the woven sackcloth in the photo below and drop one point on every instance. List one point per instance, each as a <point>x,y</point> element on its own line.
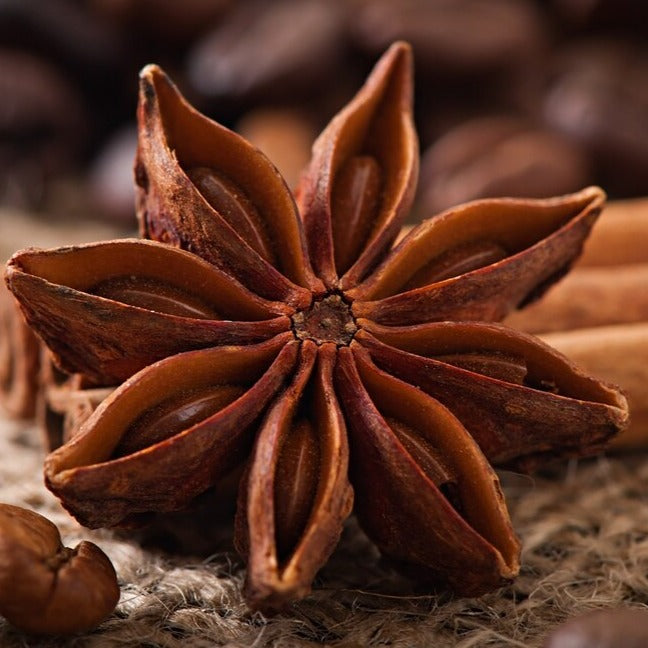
<point>584,527</point>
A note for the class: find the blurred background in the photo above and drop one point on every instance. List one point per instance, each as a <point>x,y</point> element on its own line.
<point>513,97</point>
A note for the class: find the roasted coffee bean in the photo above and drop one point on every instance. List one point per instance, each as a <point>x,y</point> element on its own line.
<point>67,35</point>
<point>600,99</point>
<point>170,22</point>
<point>453,35</point>
<point>628,15</point>
<point>110,181</point>
<point>42,126</point>
<point>268,49</point>
<point>499,156</point>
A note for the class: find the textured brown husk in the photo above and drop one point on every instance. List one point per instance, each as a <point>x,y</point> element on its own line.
<point>372,374</point>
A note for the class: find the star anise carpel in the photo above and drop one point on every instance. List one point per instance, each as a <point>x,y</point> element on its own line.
<point>293,339</point>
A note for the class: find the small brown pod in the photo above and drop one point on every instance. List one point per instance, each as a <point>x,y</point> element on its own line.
<point>46,588</point>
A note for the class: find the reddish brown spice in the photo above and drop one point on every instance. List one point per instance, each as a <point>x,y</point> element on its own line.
<point>288,335</point>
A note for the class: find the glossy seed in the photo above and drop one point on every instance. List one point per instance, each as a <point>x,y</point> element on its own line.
<point>354,203</point>
<point>422,452</point>
<point>145,292</point>
<point>428,460</point>
<point>231,202</point>
<point>296,482</point>
<point>457,261</point>
<point>509,368</point>
<point>174,415</point>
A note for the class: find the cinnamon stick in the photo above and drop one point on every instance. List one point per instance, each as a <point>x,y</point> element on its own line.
<point>65,405</point>
<point>19,359</point>
<point>619,355</point>
<point>589,296</point>
<point>620,235</point>
<point>25,374</point>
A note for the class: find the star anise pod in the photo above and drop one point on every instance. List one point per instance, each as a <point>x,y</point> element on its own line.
<point>294,338</point>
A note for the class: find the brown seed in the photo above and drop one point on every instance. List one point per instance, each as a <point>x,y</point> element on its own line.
<point>174,415</point>
<point>234,206</point>
<point>46,588</point>
<point>500,366</point>
<point>154,295</point>
<point>297,478</point>
<point>456,261</point>
<point>355,198</point>
<point>422,452</point>
<point>430,460</point>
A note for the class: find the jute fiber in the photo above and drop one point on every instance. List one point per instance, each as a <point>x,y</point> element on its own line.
<point>584,528</point>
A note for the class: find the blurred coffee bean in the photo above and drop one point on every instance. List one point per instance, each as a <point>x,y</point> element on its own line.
<point>284,135</point>
<point>498,156</point>
<point>627,15</point>
<point>269,50</point>
<point>451,36</point>
<point>599,98</point>
<point>68,36</point>
<point>613,628</point>
<point>110,181</point>
<point>472,57</point>
<point>167,21</point>
<point>43,126</point>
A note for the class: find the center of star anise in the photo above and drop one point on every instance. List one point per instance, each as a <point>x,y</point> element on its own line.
<point>326,320</point>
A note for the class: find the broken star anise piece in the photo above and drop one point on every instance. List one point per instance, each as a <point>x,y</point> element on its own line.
<point>289,339</point>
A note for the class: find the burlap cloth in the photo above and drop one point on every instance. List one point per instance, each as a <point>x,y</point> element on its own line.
<point>584,528</point>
